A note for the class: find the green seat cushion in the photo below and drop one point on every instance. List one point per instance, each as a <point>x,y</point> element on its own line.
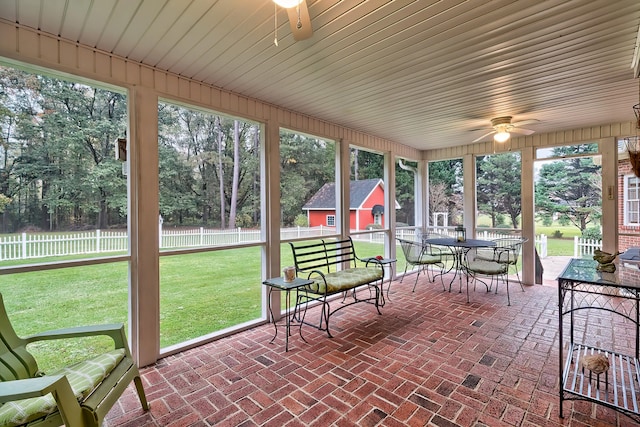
<point>485,254</point>
<point>345,279</point>
<point>429,259</point>
<point>487,267</point>
<point>83,378</point>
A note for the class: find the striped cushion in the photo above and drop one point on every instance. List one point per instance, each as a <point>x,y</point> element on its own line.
<point>345,279</point>
<point>83,378</point>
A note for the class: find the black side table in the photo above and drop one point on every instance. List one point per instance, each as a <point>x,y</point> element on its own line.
<point>280,284</point>
<point>385,262</point>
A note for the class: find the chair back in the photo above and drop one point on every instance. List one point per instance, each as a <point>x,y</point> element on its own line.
<point>434,235</point>
<point>507,250</point>
<point>412,251</point>
<point>16,362</point>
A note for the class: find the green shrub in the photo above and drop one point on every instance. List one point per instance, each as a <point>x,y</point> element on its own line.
<point>244,220</point>
<point>301,220</point>
<point>557,234</point>
<point>547,220</point>
<point>593,233</point>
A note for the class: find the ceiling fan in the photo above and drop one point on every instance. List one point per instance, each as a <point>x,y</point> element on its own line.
<point>299,19</point>
<point>503,128</point>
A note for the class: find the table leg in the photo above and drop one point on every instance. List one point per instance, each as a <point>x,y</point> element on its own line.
<point>287,317</point>
<point>275,326</point>
<point>287,299</point>
<point>390,279</point>
<point>457,268</point>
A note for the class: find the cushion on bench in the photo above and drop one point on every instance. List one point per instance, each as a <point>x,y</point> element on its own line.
<point>83,378</point>
<point>342,280</point>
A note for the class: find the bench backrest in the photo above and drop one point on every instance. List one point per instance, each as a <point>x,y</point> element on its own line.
<point>324,255</point>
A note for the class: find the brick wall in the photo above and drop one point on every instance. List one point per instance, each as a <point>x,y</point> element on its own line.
<point>625,241</point>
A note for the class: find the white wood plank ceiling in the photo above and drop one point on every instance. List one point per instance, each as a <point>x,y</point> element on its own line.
<point>422,73</point>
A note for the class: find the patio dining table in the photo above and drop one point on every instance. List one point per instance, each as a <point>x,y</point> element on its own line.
<point>459,249</point>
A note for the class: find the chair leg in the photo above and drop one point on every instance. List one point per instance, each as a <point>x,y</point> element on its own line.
<point>508,298</point>
<point>417,276</point>
<point>141,395</point>
<point>519,280</point>
<point>405,272</point>
<point>442,267</point>
<point>474,284</point>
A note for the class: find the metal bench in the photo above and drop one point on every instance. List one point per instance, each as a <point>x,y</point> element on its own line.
<point>335,269</point>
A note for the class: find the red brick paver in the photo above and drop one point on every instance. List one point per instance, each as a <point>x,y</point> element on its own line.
<point>430,359</point>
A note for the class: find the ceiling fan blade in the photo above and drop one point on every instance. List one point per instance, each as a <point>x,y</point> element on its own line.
<point>484,136</point>
<point>525,122</point>
<point>305,30</point>
<point>522,131</point>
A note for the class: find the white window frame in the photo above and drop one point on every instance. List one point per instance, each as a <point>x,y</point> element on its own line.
<point>331,220</point>
<point>377,219</point>
<point>629,182</point>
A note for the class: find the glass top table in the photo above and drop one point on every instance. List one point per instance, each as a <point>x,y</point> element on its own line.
<point>627,274</point>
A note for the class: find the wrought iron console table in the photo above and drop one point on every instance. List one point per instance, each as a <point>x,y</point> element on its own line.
<point>582,288</point>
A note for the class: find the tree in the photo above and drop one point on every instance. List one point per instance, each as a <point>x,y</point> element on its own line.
<point>64,133</point>
<point>405,194</point>
<point>445,189</point>
<point>366,165</point>
<point>572,189</point>
<point>306,164</point>
<point>498,187</point>
<point>222,158</point>
<point>236,174</point>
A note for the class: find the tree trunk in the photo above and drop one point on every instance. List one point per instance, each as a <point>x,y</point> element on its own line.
<point>236,174</point>
<point>221,175</point>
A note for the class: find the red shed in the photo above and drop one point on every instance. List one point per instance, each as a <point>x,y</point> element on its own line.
<point>366,205</point>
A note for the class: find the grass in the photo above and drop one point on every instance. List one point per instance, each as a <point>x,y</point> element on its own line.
<point>567,231</point>
<point>200,294</point>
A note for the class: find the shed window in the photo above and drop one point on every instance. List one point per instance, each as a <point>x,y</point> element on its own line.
<point>331,220</point>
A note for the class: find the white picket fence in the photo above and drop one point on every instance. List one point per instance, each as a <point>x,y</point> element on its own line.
<point>585,247</point>
<point>28,246</point>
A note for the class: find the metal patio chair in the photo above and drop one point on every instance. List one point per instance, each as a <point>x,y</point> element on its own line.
<point>422,256</point>
<point>494,263</point>
<point>509,257</point>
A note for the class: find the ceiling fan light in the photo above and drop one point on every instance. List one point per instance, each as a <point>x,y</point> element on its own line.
<point>287,3</point>
<point>501,136</point>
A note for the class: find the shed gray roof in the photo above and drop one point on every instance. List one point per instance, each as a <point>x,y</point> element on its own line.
<point>325,198</point>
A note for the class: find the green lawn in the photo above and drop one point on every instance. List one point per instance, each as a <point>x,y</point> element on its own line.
<point>567,231</point>
<point>199,294</point>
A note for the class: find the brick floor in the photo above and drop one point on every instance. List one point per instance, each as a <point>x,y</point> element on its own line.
<point>430,359</point>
